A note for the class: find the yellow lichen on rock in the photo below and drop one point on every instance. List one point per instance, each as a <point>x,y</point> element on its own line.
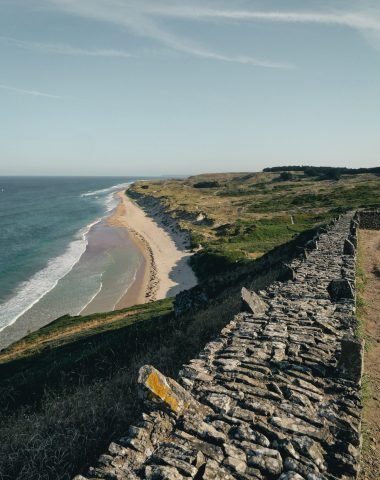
<point>162,391</point>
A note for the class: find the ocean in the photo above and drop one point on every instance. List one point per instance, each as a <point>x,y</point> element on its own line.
<point>57,253</point>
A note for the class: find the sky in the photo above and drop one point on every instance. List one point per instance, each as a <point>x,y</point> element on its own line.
<point>160,87</point>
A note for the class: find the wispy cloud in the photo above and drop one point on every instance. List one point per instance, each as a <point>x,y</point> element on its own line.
<point>147,18</point>
<point>139,19</point>
<point>355,20</point>
<point>64,49</point>
<point>366,20</point>
<point>34,93</point>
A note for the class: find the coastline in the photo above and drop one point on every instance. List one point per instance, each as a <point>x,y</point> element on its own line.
<point>165,271</point>
<point>159,266</point>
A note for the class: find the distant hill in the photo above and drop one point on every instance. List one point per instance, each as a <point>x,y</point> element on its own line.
<point>333,173</point>
<point>237,217</point>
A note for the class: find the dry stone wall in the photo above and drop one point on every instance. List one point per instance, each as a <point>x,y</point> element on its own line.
<point>276,396</point>
<point>370,219</point>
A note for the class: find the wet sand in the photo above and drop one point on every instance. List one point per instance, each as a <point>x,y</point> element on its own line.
<point>146,262</point>
<point>112,255</point>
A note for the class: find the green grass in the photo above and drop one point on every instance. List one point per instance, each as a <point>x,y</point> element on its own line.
<point>255,210</point>
<point>360,286</point>
<point>65,329</point>
<point>366,394</point>
<point>51,358</point>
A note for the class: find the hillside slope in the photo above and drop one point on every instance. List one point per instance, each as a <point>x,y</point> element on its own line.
<point>68,389</point>
<point>236,217</point>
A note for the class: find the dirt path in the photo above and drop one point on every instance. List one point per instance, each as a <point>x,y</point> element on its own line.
<point>370,260</point>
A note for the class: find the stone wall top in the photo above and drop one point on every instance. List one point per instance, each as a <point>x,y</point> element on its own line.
<point>370,219</point>
<point>275,397</point>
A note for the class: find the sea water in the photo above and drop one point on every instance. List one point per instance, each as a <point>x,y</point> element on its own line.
<point>52,256</point>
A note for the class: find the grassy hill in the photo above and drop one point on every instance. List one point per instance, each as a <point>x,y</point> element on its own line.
<point>236,217</point>
<point>70,388</point>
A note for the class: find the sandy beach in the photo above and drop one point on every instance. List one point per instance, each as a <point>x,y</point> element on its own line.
<point>166,271</point>
<point>142,257</point>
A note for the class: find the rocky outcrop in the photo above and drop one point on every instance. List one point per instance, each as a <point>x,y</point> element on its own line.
<point>275,397</point>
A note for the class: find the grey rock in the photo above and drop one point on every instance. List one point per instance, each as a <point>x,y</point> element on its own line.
<point>219,402</point>
<point>214,471</point>
<point>340,289</point>
<point>162,473</point>
<point>350,365</point>
<point>265,459</point>
<point>291,476</point>
<point>245,432</point>
<point>251,302</point>
<point>354,240</point>
<point>312,450</point>
<point>348,248</point>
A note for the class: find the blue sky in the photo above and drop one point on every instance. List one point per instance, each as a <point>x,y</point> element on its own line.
<point>127,87</point>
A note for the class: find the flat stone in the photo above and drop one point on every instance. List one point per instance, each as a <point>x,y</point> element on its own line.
<point>295,425</point>
<point>312,450</point>
<point>350,365</point>
<point>251,302</point>
<point>340,289</point>
<point>172,461</point>
<point>236,464</point>
<point>219,402</point>
<point>162,473</point>
<point>203,430</point>
<point>210,450</point>
<point>244,432</point>
<point>160,390</point>
<point>214,471</point>
<point>348,248</point>
<point>291,476</point>
<point>265,459</point>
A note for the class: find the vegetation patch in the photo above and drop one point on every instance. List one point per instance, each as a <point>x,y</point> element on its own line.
<point>360,286</point>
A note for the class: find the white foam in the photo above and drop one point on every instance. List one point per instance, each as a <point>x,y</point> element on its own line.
<point>107,195</point>
<point>42,282</point>
<point>93,297</point>
<point>114,188</point>
<point>129,286</point>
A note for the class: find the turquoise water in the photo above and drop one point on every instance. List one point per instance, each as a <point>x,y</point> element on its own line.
<point>56,252</point>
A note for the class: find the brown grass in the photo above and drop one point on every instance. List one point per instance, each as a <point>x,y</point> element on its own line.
<point>368,312</point>
<point>71,428</point>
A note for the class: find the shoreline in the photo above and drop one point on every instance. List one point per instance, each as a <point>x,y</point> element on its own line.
<point>162,271</point>
<point>166,271</point>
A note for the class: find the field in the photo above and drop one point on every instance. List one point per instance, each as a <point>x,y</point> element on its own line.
<point>238,217</point>
<point>69,389</point>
